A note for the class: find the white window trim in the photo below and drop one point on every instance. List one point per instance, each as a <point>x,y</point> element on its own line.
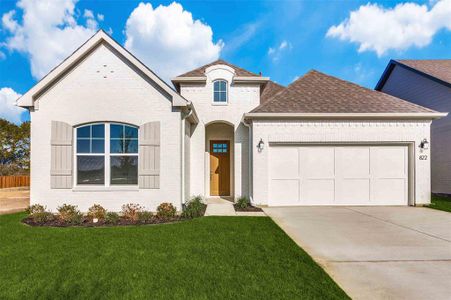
<point>107,154</point>
<point>227,93</point>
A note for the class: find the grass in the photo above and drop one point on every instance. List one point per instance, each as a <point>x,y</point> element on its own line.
<point>441,203</point>
<point>205,258</point>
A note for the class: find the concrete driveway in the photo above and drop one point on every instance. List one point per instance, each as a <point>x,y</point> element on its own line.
<point>376,252</point>
<point>14,200</point>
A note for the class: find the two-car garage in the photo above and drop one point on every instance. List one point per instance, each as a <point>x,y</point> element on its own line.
<point>338,175</point>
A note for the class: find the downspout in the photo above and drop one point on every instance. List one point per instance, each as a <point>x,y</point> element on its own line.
<point>250,159</point>
<point>184,117</point>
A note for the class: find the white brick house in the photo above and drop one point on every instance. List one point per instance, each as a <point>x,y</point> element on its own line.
<point>105,129</point>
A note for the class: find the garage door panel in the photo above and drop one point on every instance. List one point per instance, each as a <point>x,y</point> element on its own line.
<point>285,192</point>
<point>284,162</point>
<point>353,162</point>
<point>317,191</point>
<point>317,162</point>
<point>388,162</point>
<point>352,191</point>
<point>388,192</point>
<point>338,175</point>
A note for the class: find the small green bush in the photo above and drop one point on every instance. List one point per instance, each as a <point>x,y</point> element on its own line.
<point>131,211</point>
<point>166,210</point>
<point>96,212</point>
<point>112,217</point>
<point>194,208</point>
<point>69,214</point>
<point>144,216</point>
<point>39,214</point>
<point>243,202</point>
<point>35,208</point>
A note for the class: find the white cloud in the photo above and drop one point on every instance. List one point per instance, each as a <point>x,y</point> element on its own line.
<point>380,29</point>
<point>168,40</point>
<point>47,32</point>
<point>8,108</point>
<point>276,52</point>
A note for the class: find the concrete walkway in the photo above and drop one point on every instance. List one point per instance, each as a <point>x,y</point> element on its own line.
<point>224,207</point>
<point>376,252</point>
<point>14,200</point>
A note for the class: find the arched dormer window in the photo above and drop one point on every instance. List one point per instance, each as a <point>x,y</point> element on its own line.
<point>107,154</point>
<point>220,91</point>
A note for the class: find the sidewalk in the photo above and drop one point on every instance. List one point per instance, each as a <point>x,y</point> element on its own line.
<point>14,200</point>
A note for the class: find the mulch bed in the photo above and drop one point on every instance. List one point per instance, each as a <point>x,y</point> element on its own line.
<point>87,223</point>
<point>248,209</point>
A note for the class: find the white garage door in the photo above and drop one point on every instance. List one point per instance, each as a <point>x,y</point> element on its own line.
<point>338,175</point>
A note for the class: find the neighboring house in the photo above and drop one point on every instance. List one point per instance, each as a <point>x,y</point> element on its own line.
<point>427,83</point>
<point>105,129</point>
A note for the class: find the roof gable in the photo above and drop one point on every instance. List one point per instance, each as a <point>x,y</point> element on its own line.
<point>99,38</point>
<point>319,93</point>
<point>200,72</point>
<point>438,70</point>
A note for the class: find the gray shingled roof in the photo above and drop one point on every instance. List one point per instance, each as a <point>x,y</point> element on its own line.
<point>438,68</point>
<point>199,72</point>
<point>317,92</point>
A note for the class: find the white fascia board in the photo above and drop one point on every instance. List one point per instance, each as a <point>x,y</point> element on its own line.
<point>199,79</point>
<point>27,100</point>
<point>243,79</point>
<point>371,116</point>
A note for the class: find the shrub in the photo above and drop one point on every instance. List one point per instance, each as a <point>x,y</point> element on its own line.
<point>69,214</point>
<point>166,210</point>
<point>131,211</point>
<point>243,202</point>
<point>112,217</point>
<point>35,208</point>
<point>96,212</point>
<point>144,216</point>
<point>194,208</point>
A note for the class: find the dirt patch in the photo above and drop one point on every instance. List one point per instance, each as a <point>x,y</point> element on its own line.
<point>247,209</point>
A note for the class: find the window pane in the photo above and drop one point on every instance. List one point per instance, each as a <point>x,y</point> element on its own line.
<point>98,131</point>
<point>222,85</point>
<point>124,170</point>
<point>84,131</point>
<point>116,131</point>
<point>222,96</point>
<point>216,86</point>
<point>131,146</point>
<point>90,170</point>
<point>98,146</point>
<point>131,132</point>
<point>116,146</point>
<point>83,146</point>
<point>216,97</point>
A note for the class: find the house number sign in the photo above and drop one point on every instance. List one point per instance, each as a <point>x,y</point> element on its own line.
<point>423,157</point>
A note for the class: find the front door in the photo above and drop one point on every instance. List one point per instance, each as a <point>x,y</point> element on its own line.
<point>219,168</point>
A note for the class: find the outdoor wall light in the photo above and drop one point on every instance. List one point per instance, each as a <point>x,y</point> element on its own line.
<point>260,145</point>
<point>424,144</point>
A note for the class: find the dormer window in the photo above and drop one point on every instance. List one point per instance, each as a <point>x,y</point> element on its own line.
<point>220,91</point>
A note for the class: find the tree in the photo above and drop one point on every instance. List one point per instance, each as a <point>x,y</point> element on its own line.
<point>14,148</point>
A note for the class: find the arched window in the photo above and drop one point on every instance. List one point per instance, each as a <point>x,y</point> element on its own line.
<point>220,91</point>
<point>107,154</point>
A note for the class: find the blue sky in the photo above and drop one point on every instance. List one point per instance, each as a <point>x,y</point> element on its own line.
<point>282,39</point>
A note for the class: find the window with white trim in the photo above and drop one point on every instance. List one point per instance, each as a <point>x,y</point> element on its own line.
<point>107,154</point>
<point>220,91</point>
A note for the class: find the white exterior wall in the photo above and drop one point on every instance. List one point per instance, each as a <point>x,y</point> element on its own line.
<point>85,96</point>
<point>242,98</point>
<point>341,132</point>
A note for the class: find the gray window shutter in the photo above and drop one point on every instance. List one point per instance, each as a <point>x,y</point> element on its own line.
<point>149,156</point>
<point>61,156</point>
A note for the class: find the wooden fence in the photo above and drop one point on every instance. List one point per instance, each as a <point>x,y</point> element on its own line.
<point>14,181</point>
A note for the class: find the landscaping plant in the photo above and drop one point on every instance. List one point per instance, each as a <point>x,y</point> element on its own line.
<point>69,214</point>
<point>166,210</point>
<point>96,212</point>
<point>145,216</point>
<point>112,218</point>
<point>243,202</point>
<point>131,211</point>
<point>39,214</point>
<point>194,208</point>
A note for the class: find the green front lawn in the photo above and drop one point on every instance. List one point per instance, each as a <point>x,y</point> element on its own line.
<point>441,203</point>
<point>206,258</point>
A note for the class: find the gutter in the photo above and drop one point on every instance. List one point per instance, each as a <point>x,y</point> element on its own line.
<point>358,116</point>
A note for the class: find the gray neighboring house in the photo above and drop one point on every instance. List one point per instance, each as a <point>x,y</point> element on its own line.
<point>426,83</point>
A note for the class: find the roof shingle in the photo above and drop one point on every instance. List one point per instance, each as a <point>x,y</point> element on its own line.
<point>200,72</point>
<point>317,92</point>
<point>438,68</point>
<point>270,89</point>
